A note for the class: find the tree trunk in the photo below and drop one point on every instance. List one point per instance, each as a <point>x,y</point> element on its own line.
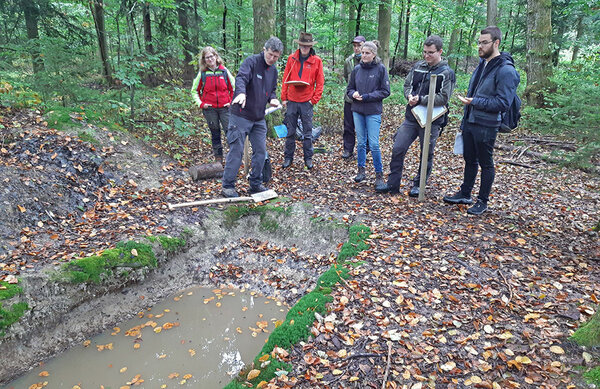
<point>224,26</point>
<point>333,28</point>
<point>406,25</point>
<point>350,34</point>
<point>358,17</point>
<point>580,26</point>
<point>400,18</point>
<point>384,30</point>
<point>299,15</point>
<point>238,36</point>
<point>558,42</point>
<point>539,52</point>
<point>264,22</point>
<point>457,28</point>
<point>147,29</point>
<point>97,8</point>
<point>282,22</point>
<point>32,15</point>
<point>512,44</point>
<point>188,48</point>
<point>492,12</point>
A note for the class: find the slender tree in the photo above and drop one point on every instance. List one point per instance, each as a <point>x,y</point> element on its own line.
<point>224,25</point>
<point>580,26</point>
<point>32,15</point>
<point>492,12</point>
<point>384,30</point>
<point>282,23</point>
<point>188,48</point>
<point>406,25</point>
<point>264,22</point>
<point>539,51</point>
<point>147,28</point>
<point>97,9</point>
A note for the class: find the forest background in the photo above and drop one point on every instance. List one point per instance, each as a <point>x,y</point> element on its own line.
<point>127,64</point>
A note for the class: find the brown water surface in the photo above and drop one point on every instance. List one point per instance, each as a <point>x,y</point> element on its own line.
<point>198,338</point>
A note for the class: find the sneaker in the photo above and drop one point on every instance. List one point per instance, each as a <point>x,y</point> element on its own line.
<point>257,189</point>
<point>477,209</point>
<point>346,154</point>
<point>309,164</point>
<point>229,192</point>
<point>414,191</point>
<point>458,198</point>
<point>286,163</point>
<point>361,176</point>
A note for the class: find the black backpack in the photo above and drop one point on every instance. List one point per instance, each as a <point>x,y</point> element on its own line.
<point>510,118</point>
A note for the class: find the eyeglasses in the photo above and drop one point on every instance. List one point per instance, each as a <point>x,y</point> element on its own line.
<point>429,52</point>
<point>484,43</point>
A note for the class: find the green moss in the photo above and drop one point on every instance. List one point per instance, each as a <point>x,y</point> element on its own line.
<point>267,221</point>
<point>96,268</point>
<point>589,333</point>
<point>87,137</point>
<point>171,245</point>
<point>8,317</point>
<point>593,376</point>
<point>301,316</point>
<point>9,290</point>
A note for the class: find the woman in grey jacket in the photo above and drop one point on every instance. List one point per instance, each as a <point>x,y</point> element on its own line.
<point>369,84</point>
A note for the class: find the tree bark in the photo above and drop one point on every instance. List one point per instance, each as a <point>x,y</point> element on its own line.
<point>147,29</point>
<point>400,19</point>
<point>32,15</point>
<point>282,22</point>
<point>224,26</point>
<point>351,27</point>
<point>238,36</point>
<point>299,15</point>
<point>384,30</point>
<point>492,12</point>
<point>97,8</point>
<point>264,22</point>
<point>188,48</point>
<point>406,25</point>
<point>457,27</point>
<point>358,16</point>
<point>539,51</point>
<point>580,27</point>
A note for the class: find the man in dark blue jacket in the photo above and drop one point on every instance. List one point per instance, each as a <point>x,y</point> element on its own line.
<point>492,89</point>
<point>255,86</point>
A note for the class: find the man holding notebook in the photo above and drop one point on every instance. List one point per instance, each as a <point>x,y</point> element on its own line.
<point>302,88</point>
<point>416,91</point>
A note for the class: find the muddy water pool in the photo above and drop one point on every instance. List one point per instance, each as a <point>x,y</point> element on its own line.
<point>198,338</point>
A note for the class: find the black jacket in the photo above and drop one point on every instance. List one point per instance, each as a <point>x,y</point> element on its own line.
<point>372,82</point>
<point>258,81</point>
<point>492,87</point>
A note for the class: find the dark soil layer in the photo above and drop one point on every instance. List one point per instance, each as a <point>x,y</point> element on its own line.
<point>441,299</point>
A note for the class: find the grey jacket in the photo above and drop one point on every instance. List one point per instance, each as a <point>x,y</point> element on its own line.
<point>349,65</point>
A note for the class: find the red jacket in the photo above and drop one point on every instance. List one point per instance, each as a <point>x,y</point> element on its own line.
<point>312,73</point>
<point>216,90</point>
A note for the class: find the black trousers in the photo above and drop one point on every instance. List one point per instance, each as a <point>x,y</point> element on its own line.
<point>217,119</point>
<point>479,153</point>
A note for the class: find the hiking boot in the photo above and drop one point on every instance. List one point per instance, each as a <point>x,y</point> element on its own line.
<point>414,191</point>
<point>346,154</point>
<point>360,177</point>
<point>478,208</point>
<point>458,198</point>
<point>258,188</point>
<point>286,163</point>
<point>219,158</point>
<point>229,192</point>
<point>309,164</point>
<point>380,185</point>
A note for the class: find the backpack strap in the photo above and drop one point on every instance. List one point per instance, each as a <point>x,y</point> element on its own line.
<point>225,76</point>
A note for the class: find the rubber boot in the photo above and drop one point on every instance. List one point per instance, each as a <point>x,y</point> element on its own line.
<point>360,177</point>
<point>380,185</point>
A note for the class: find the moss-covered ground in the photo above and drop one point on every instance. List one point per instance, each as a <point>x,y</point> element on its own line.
<point>8,316</point>
<point>267,213</point>
<point>588,335</point>
<point>299,320</point>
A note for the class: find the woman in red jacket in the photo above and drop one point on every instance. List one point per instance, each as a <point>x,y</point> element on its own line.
<point>213,90</point>
<point>302,88</point>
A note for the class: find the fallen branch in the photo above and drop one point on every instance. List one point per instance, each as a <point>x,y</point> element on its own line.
<point>389,363</point>
<point>509,162</point>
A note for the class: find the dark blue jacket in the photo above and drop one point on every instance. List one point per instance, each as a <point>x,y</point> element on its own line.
<point>258,81</point>
<point>372,82</point>
<point>492,95</point>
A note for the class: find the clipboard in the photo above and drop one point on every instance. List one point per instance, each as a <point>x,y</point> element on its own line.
<point>297,83</point>
<point>420,113</point>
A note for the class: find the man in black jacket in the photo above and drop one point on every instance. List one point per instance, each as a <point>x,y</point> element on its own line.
<point>255,86</point>
<point>416,91</point>
<point>492,89</point>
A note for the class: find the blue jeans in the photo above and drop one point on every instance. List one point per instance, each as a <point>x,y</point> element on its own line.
<point>367,126</point>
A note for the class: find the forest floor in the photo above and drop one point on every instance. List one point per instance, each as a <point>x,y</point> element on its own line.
<point>441,299</point>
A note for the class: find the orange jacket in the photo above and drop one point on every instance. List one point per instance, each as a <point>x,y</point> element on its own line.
<point>312,73</point>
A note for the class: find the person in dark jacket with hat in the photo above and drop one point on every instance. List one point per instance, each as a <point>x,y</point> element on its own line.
<point>416,91</point>
<point>492,89</point>
<point>302,88</point>
<point>369,84</point>
<point>349,136</point>
<point>255,86</point>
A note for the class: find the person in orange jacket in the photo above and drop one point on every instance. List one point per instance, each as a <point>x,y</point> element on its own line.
<point>302,88</point>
